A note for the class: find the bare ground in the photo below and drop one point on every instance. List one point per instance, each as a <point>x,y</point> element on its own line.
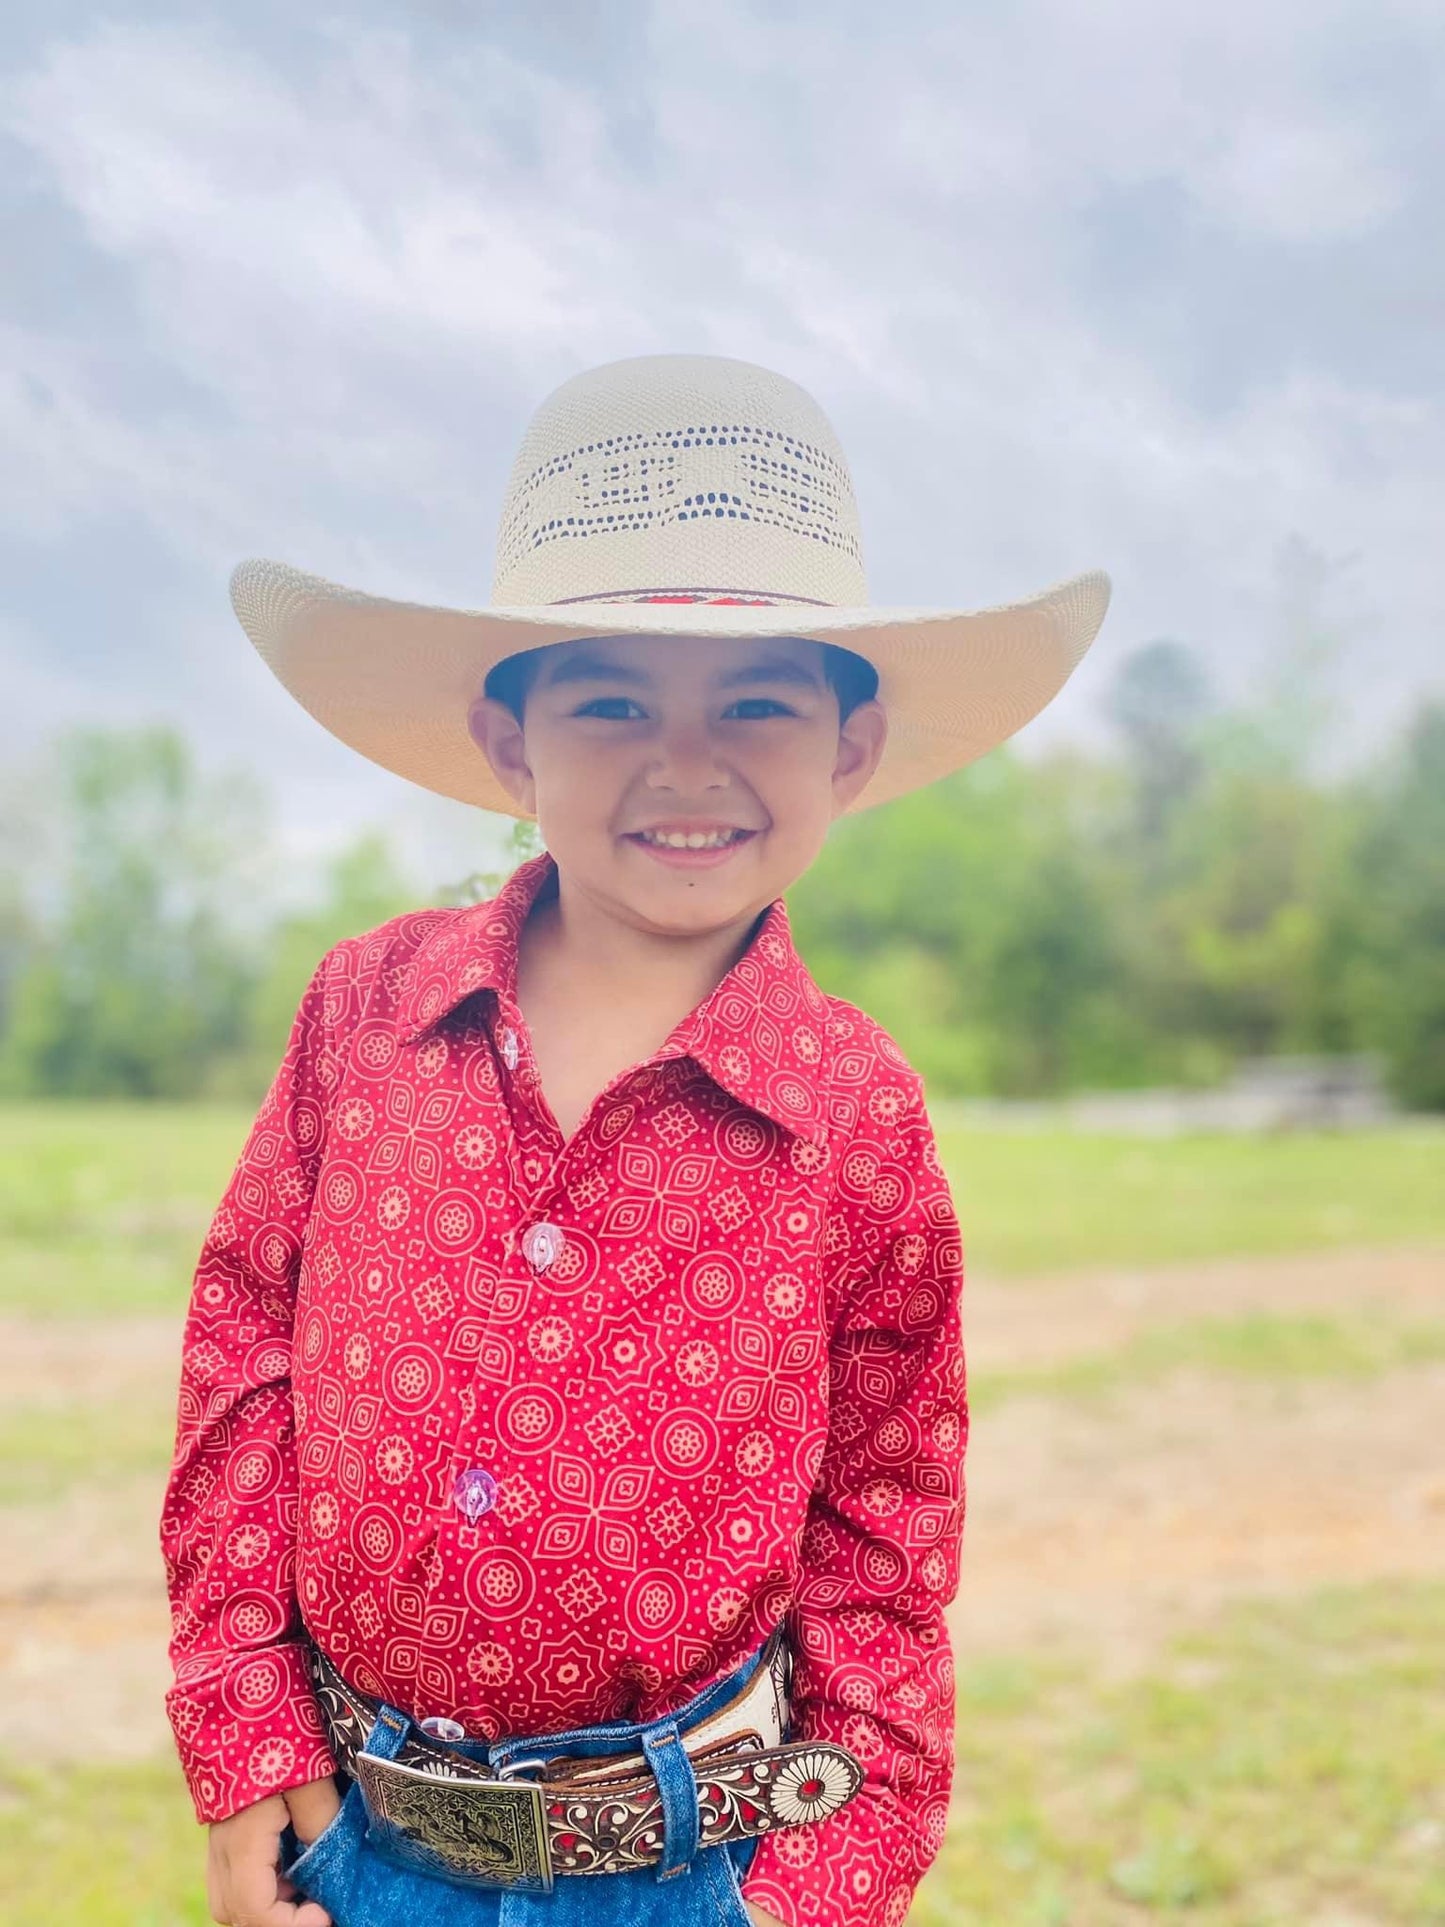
<point>1096,1527</point>
<point>1106,1526</point>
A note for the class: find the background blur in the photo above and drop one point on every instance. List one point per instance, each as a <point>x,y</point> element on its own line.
<point>1153,289</point>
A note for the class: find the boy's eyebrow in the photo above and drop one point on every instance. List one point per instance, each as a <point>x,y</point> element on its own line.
<point>774,669</point>
<point>590,667</point>
<point>585,668</point>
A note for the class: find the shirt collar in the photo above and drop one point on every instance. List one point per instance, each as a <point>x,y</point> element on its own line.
<point>762,1033</point>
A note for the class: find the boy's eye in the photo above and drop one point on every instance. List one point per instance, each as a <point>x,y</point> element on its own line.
<point>598,706</point>
<point>763,703</point>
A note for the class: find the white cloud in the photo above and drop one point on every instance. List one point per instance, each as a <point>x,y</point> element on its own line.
<point>70,455</point>
<point>1297,182</point>
<point>361,264</point>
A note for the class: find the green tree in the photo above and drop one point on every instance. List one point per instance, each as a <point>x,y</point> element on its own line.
<point>1231,918</point>
<point>1399,977</point>
<point>1237,923</point>
<point>971,919</point>
<point>362,887</point>
<point>1020,927</point>
<point>134,972</point>
<point>1159,704</point>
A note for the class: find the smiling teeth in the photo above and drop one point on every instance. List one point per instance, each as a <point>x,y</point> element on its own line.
<point>692,840</point>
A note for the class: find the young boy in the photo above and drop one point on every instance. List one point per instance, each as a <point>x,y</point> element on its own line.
<point>569,1475</point>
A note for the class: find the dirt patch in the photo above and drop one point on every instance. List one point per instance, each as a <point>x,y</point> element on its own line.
<point>53,1361</point>
<point>1106,1526</point>
<point>1047,1321</point>
<point>84,1625</point>
<point>1097,1526</point>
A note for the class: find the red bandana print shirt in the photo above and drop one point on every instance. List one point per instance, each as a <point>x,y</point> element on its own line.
<point>536,1433</point>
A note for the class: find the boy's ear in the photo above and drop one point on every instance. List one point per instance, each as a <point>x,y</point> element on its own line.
<point>861,737</point>
<point>498,734</point>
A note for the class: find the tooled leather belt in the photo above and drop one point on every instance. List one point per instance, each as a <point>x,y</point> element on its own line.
<point>489,1826</point>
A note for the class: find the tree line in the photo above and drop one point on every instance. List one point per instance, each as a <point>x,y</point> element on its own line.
<point>1192,894</point>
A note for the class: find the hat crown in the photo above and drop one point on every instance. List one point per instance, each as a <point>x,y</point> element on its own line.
<point>690,476</point>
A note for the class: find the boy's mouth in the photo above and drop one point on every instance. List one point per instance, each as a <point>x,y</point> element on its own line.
<point>691,849</point>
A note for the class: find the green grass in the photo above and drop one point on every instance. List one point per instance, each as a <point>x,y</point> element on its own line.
<point>103,1846</point>
<point>1277,1346</point>
<point>1055,1200</point>
<point>44,1449</point>
<point>1286,1765</point>
<point>103,1208</point>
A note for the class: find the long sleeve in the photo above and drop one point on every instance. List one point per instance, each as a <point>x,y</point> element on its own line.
<point>244,1716</point>
<point>881,1547</point>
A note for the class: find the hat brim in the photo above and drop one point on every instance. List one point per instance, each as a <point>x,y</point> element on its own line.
<point>395,680</point>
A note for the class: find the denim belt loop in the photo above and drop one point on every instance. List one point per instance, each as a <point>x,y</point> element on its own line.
<point>677,1783</point>
<point>385,1739</point>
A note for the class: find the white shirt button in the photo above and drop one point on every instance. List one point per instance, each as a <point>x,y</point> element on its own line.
<point>542,1245</point>
<point>507,1038</point>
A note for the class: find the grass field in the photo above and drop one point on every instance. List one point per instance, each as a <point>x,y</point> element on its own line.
<point>1055,1201</point>
<point>1286,1767</point>
<point>1259,1345</point>
<point>1279,1763</point>
<point>102,1209</point>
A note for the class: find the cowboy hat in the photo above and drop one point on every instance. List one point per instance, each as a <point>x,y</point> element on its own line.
<point>666,495</point>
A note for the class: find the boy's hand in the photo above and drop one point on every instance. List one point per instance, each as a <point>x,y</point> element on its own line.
<point>244,1884</point>
<point>759,1918</point>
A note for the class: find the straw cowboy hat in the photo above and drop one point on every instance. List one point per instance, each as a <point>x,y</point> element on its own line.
<point>666,495</point>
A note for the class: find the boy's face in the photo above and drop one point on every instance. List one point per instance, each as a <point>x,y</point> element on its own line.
<point>689,734</point>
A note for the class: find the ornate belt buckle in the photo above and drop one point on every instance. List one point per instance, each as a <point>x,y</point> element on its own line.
<point>475,1833</point>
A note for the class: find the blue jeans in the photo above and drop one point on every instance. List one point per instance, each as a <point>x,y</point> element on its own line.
<point>691,1886</point>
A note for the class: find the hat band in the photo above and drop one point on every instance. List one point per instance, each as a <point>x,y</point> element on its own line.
<point>744,598</point>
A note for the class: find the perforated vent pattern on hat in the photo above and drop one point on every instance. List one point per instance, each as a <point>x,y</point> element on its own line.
<point>694,469</point>
<point>629,481</point>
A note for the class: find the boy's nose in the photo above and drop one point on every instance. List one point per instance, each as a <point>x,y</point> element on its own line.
<point>685,759</point>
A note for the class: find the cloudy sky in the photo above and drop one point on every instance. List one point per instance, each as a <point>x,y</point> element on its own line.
<point>1153,287</point>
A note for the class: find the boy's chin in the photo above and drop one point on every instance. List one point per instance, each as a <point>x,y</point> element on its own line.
<point>691,905</point>
<point>685,903</point>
